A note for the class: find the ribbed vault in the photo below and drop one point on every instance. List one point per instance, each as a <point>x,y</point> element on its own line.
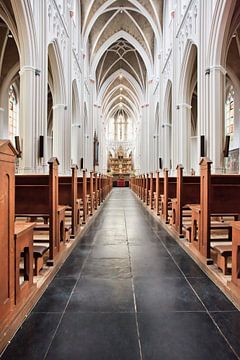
<point>121,39</point>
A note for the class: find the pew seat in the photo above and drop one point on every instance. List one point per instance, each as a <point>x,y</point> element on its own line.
<point>23,239</point>
<point>38,253</point>
<point>222,255</point>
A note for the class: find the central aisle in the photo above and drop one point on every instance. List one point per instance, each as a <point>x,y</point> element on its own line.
<point>128,291</point>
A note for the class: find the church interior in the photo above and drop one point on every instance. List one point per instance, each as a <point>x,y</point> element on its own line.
<point>119,179</point>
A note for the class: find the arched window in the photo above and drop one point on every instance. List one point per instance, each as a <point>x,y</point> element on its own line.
<point>229,113</point>
<point>12,114</point>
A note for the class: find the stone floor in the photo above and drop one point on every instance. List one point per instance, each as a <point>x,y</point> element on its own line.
<point>128,291</point>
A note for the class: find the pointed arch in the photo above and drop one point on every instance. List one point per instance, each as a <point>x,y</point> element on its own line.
<point>55,61</point>
<point>119,35</point>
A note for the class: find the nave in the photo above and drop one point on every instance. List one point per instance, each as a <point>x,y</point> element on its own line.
<point>128,291</point>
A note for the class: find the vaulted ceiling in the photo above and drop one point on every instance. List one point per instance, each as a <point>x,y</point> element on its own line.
<point>121,37</point>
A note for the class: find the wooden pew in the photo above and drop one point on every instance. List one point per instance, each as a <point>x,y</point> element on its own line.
<point>92,191</point>
<point>89,195</point>
<point>142,188</point>
<point>37,196</point>
<point>187,192</point>
<point>152,189</point>
<point>158,193</point>
<point>7,193</point>
<point>100,189</point>
<point>68,198</point>
<point>82,195</point>
<point>219,196</point>
<point>235,254</point>
<point>96,190</point>
<point>23,239</point>
<point>169,192</point>
<point>146,189</point>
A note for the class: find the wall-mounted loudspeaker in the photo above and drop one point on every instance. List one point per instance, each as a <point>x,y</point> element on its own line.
<point>41,146</point>
<point>17,146</point>
<point>160,163</point>
<point>202,146</point>
<point>226,147</point>
<point>81,163</point>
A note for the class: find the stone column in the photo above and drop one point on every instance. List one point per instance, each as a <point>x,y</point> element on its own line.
<point>3,127</point>
<point>216,116</point>
<point>167,148</point>
<point>184,133</point>
<point>28,119</point>
<point>58,135</point>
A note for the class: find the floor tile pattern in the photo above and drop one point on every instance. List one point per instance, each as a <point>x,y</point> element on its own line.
<point>127,292</point>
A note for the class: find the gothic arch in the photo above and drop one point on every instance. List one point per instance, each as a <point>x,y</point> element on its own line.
<point>26,32</point>
<point>57,73</point>
<point>122,35</point>
<point>219,32</point>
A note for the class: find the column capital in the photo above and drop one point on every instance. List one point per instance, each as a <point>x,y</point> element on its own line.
<point>218,68</point>
<point>58,106</point>
<point>184,105</point>
<point>27,68</point>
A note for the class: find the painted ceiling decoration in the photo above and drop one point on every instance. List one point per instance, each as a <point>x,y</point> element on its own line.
<point>121,38</point>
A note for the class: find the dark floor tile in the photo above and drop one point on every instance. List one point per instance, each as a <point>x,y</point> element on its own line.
<point>56,296</point>
<point>188,266</point>
<point>229,323</point>
<point>110,234</point>
<point>144,237</point>
<point>211,296</point>
<point>165,294</point>
<point>96,336</point>
<point>81,250</point>
<point>107,268</point>
<point>155,267</point>
<point>72,267</point>
<point>101,295</point>
<point>33,338</point>
<point>153,251</point>
<point>183,336</point>
<point>110,251</point>
<point>174,249</point>
<point>109,240</point>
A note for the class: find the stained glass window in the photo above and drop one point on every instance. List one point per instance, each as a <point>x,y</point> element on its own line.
<point>229,113</point>
<point>12,114</point>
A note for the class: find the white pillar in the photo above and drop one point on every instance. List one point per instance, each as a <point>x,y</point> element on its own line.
<point>167,145</point>
<point>3,127</point>
<point>58,135</point>
<point>184,134</point>
<point>28,119</point>
<point>216,116</point>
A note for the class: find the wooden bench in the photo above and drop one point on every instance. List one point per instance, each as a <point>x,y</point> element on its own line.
<point>38,253</point>
<point>169,192</point>
<point>219,196</point>
<point>142,187</point>
<point>23,239</point>
<point>235,254</point>
<point>158,193</point>
<point>7,194</point>
<point>146,189</point>
<point>221,254</point>
<point>96,190</point>
<point>82,194</point>
<point>187,192</point>
<point>37,196</point>
<point>68,198</point>
<point>152,190</point>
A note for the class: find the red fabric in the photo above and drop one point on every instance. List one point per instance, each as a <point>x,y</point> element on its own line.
<point>121,183</point>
